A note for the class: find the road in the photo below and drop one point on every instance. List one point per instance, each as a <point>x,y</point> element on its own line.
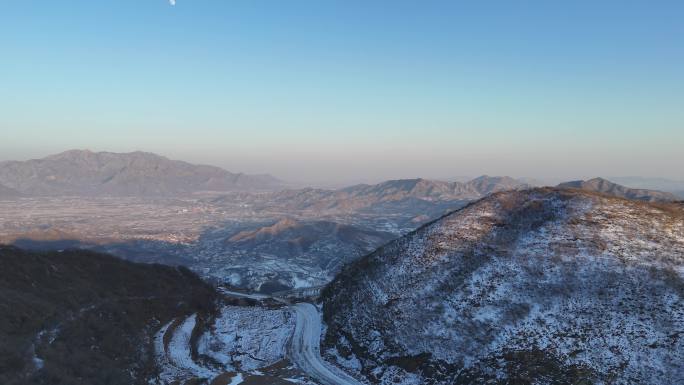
<point>257,297</point>
<point>305,348</point>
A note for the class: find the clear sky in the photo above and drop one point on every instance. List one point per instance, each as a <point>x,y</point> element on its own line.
<point>323,90</point>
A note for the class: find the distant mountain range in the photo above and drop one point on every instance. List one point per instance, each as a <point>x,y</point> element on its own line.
<point>433,189</point>
<point>546,285</point>
<point>366,196</point>
<point>662,184</point>
<point>401,204</point>
<point>633,182</point>
<point>86,173</point>
<point>608,187</point>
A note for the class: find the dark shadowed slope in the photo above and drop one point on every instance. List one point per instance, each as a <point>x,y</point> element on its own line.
<point>79,172</point>
<point>78,317</point>
<point>608,187</point>
<point>535,286</point>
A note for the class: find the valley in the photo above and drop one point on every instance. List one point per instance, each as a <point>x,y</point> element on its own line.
<point>406,282</point>
<point>266,241</point>
<point>341,193</point>
<point>195,233</point>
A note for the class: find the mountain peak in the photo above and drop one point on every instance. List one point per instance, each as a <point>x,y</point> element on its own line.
<point>605,186</point>
<point>86,153</point>
<point>83,172</point>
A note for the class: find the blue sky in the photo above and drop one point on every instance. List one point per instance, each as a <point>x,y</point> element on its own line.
<point>351,90</point>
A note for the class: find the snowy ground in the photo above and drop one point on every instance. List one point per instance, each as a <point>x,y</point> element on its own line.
<point>175,358</point>
<point>241,340</point>
<point>247,338</point>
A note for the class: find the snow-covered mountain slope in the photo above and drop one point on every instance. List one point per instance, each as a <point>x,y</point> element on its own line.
<point>539,286</point>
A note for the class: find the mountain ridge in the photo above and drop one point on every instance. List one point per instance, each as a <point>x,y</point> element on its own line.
<point>482,295</point>
<point>83,172</point>
<point>435,189</point>
<point>608,187</point>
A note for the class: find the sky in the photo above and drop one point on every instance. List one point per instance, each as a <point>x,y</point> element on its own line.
<point>325,91</point>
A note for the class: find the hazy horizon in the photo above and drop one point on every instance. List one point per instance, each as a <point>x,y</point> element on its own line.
<point>344,92</point>
<point>342,182</point>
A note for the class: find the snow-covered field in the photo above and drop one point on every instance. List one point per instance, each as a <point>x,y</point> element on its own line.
<point>175,358</point>
<point>240,340</point>
<point>246,338</point>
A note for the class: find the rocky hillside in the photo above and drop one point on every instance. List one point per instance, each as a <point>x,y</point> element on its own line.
<point>88,173</point>
<point>608,187</point>
<point>288,237</point>
<point>305,253</point>
<point>78,317</point>
<point>544,286</point>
